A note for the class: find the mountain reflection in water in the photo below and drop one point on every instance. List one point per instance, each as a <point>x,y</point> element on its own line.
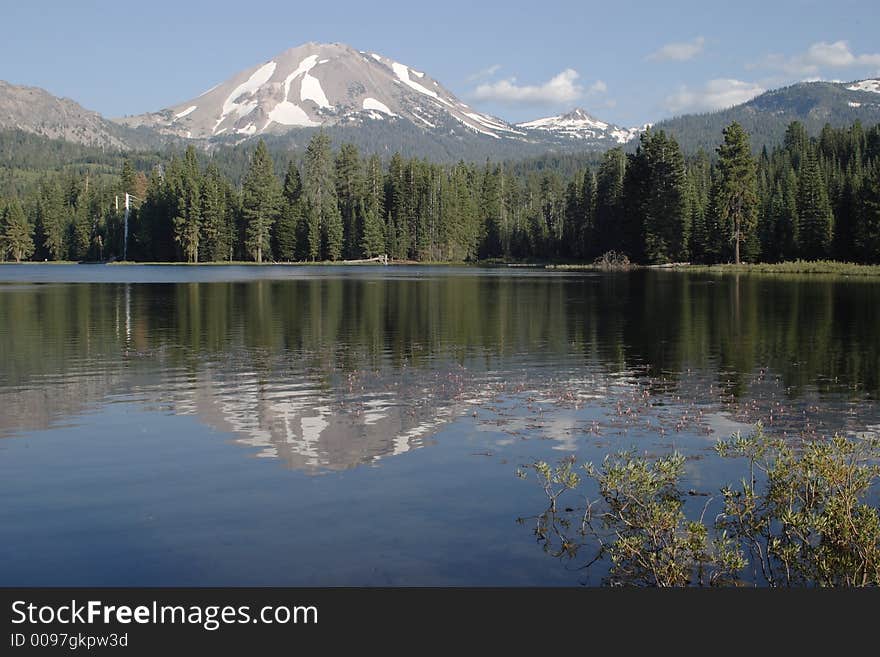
<point>329,370</point>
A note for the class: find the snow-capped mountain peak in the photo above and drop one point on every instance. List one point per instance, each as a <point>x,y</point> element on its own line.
<point>318,85</point>
<point>577,118</point>
<point>578,124</point>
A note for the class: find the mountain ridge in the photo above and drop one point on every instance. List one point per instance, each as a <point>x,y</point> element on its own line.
<point>37,111</point>
<point>766,116</point>
<point>378,104</point>
<point>336,86</point>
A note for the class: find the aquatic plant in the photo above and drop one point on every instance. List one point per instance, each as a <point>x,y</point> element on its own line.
<point>801,513</point>
<point>798,518</point>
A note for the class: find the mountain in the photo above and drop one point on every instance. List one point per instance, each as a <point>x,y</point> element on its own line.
<point>767,116</point>
<point>579,126</point>
<point>38,112</point>
<point>384,106</point>
<point>368,99</point>
<point>322,85</point>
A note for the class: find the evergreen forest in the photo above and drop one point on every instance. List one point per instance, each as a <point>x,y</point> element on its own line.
<point>808,198</point>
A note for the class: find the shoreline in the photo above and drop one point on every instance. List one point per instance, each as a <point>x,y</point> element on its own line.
<point>805,267</point>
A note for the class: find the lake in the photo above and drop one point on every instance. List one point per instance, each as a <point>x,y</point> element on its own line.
<point>276,425</point>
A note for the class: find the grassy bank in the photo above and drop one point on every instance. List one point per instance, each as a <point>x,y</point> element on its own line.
<point>794,267</point>
<point>827,267</point>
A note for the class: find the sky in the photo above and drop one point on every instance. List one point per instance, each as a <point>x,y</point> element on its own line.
<point>628,63</point>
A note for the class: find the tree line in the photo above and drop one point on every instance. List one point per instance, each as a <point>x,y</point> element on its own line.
<point>808,198</point>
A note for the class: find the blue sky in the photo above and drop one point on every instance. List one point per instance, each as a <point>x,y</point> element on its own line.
<point>625,62</point>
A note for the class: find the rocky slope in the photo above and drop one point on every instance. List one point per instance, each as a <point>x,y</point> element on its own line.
<point>36,111</point>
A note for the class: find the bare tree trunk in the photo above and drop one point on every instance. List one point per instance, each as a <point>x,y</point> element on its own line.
<point>736,256</point>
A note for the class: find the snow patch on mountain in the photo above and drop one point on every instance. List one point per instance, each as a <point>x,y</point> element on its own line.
<point>623,135</point>
<point>291,114</point>
<point>402,73</point>
<point>245,92</point>
<point>475,128</point>
<point>418,114</point>
<point>866,85</point>
<point>373,104</point>
<point>189,110</point>
<point>311,90</point>
<point>491,123</point>
<point>287,113</point>
<point>305,66</point>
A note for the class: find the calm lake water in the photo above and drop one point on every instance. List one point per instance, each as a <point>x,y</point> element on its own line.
<point>363,426</point>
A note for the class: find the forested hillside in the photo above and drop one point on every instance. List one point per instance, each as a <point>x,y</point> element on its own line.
<point>807,198</point>
<point>767,117</point>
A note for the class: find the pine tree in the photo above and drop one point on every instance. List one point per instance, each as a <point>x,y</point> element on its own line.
<point>260,203</point>
<point>397,230</point>
<point>796,142</point>
<point>324,222</point>
<point>430,209</point>
<point>697,242</point>
<point>350,190</point>
<point>814,210</point>
<point>216,225</point>
<point>869,231</point>
<point>490,211</point>
<point>129,178</point>
<point>699,177</point>
<point>609,201</point>
<point>661,211</point>
<point>848,216</point>
<point>464,178</point>
<point>53,221</point>
<point>787,223</point>
<point>83,226</point>
<point>736,194</point>
<point>715,240</point>
<point>154,230</point>
<point>188,201</point>
<point>586,235</point>
<point>418,186</point>
<point>17,235</point>
<point>550,225</point>
<point>373,237</point>
<point>289,230</point>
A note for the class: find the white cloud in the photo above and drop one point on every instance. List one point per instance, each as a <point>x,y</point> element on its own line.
<point>487,72</point>
<point>561,88</point>
<point>598,87</point>
<point>714,95</point>
<point>821,55</point>
<point>678,52</point>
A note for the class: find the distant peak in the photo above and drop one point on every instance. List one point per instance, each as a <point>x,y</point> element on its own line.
<point>579,124</point>
<point>576,113</point>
